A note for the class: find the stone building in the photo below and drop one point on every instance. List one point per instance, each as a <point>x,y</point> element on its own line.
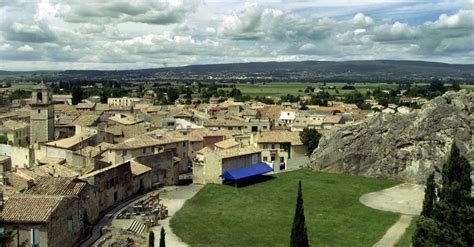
<point>279,146</point>
<point>114,184</point>
<point>42,114</point>
<point>51,212</point>
<point>209,164</point>
<point>164,169</point>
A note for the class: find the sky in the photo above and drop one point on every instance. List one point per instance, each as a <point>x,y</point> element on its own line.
<point>134,34</point>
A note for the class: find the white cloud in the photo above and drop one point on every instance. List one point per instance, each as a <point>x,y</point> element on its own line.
<point>25,48</point>
<point>152,33</point>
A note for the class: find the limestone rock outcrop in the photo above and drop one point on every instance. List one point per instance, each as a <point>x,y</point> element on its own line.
<point>401,146</point>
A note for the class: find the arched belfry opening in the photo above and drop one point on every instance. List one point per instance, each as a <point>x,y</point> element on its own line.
<point>39,96</point>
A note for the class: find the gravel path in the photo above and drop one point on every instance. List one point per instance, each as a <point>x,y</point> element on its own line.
<point>174,199</point>
<point>403,198</point>
<point>406,199</point>
<point>395,232</point>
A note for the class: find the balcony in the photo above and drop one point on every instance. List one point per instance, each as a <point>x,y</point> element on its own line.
<point>275,151</point>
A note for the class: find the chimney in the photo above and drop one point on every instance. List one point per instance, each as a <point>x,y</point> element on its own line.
<point>54,172</point>
<point>30,183</point>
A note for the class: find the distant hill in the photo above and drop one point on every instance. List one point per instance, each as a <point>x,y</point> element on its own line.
<point>373,70</point>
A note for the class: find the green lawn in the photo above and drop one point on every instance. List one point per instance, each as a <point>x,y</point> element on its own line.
<point>405,240</point>
<point>21,85</point>
<point>262,214</point>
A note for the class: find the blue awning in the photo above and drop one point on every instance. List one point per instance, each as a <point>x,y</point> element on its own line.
<point>248,171</point>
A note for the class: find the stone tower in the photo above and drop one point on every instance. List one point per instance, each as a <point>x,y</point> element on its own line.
<point>42,114</point>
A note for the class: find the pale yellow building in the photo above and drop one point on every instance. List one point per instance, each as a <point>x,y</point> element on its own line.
<point>209,164</point>
<point>15,132</point>
<point>278,146</point>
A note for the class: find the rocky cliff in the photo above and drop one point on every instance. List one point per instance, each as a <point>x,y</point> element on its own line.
<point>401,146</point>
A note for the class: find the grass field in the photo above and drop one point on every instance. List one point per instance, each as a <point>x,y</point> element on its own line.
<point>262,214</point>
<point>279,89</point>
<point>405,240</point>
<point>24,86</point>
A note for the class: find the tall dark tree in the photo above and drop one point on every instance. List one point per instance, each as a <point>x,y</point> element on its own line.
<point>162,237</point>
<point>454,208</point>
<point>151,239</point>
<point>430,197</point>
<point>299,235</point>
<point>77,95</point>
<point>453,216</point>
<point>172,94</point>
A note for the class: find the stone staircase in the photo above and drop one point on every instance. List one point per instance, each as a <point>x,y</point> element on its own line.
<point>137,227</point>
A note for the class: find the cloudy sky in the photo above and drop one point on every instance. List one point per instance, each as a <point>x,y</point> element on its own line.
<point>129,34</point>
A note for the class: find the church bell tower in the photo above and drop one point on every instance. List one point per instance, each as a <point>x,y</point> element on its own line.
<point>42,115</point>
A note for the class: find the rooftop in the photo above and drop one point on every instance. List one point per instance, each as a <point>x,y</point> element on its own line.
<point>138,169</point>
<point>70,141</point>
<point>30,208</point>
<point>12,125</point>
<point>64,186</point>
<point>225,144</point>
<point>231,152</point>
<point>279,136</point>
<point>150,139</point>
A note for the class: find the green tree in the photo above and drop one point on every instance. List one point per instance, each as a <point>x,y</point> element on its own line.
<point>162,237</point>
<point>310,137</point>
<point>453,217</point>
<point>430,197</point>
<point>299,235</point>
<point>172,94</point>
<point>77,95</point>
<point>454,208</point>
<point>151,239</point>
<point>3,139</point>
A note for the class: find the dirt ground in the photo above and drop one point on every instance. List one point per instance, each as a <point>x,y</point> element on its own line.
<point>174,198</point>
<point>404,198</point>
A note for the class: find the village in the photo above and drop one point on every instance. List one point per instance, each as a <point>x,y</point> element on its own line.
<point>65,167</point>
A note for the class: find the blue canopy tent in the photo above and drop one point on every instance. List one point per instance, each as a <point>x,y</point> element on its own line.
<point>246,172</point>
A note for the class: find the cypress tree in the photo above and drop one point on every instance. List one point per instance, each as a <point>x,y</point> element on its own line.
<point>151,239</point>
<point>299,236</point>
<point>162,237</point>
<point>430,197</point>
<point>452,222</point>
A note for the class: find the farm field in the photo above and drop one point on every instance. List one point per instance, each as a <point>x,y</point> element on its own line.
<point>220,215</point>
<point>279,89</point>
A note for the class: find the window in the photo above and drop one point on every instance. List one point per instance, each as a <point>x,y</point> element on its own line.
<point>265,146</point>
<point>184,144</point>
<point>184,154</point>
<point>35,236</point>
<point>273,146</point>
<point>69,225</point>
<point>124,153</point>
<point>282,159</point>
<point>265,159</point>
<point>144,150</point>
<point>39,111</point>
